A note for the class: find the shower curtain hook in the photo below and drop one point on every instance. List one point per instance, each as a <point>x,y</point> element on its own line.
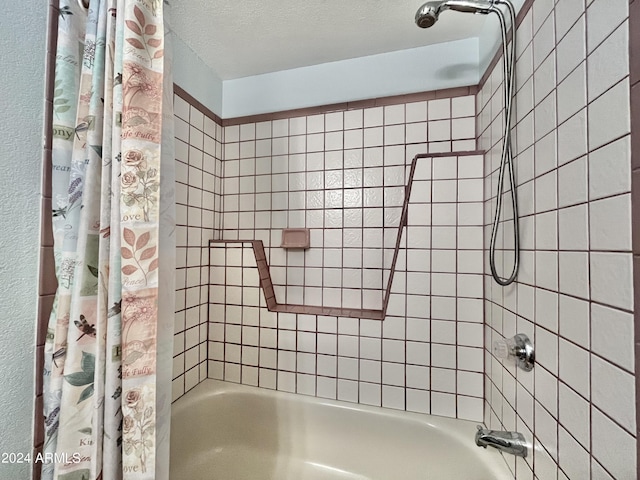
<point>84,4</point>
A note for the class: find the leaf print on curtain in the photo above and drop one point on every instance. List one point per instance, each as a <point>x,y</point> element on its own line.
<point>106,338</point>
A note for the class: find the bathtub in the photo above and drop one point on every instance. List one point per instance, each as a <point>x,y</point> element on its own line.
<point>225,431</point>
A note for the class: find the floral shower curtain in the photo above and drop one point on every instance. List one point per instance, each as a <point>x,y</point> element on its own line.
<point>108,351</point>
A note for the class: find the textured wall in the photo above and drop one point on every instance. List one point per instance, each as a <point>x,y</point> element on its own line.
<point>22,72</point>
<point>434,67</point>
<point>193,75</point>
<point>574,294</point>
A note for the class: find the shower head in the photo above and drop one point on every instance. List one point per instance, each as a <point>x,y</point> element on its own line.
<point>428,13</point>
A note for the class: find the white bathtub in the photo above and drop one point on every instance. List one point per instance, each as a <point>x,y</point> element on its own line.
<point>225,431</point>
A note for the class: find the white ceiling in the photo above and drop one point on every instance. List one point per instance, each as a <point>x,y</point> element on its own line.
<point>249,37</point>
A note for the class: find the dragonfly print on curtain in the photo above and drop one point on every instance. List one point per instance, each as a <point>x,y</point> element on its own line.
<point>100,390</point>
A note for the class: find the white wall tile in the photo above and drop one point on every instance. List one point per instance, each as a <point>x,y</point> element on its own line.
<point>572,228</point>
<point>546,429</point>
<point>443,404</point>
<point>470,408</point>
<point>574,367</point>
<point>546,193</point>
<point>610,223</point>
<point>572,137</point>
<point>574,319</point>
<point>574,414</point>
<point>612,391</point>
<point>546,268</point>
<point>571,50</point>
<point>572,93</point>
<point>417,401</point>
<point>611,279</point>
<point>572,183</point>
<point>546,307</point>
<point>612,334</point>
<point>614,448</point>
<point>609,62</point>
<point>347,390</point>
<point>574,273</point>
<point>463,106</point>
<point>567,12</point>
<point>370,394</point>
<point>573,458</point>
<point>439,109</point>
<point>609,169</point>
<point>547,390</point>
<point>602,19</point>
<point>543,41</point>
<point>605,122</point>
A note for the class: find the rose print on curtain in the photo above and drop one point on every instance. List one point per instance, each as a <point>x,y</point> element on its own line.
<point>106,339</point>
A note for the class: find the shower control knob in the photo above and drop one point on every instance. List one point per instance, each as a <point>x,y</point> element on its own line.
<point>501,349</point>
<point>519,348</point>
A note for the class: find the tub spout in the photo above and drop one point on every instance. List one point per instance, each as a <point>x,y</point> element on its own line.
<point>508,442</point>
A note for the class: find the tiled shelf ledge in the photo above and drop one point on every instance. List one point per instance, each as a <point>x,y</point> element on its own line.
<point>265,276</point>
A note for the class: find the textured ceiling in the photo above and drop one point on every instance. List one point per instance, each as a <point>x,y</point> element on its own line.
<point>249,37</point>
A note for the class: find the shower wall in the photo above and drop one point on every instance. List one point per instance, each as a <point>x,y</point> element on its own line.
<point>574,294</point>
<point>198,148</point>
<point>341,173</point>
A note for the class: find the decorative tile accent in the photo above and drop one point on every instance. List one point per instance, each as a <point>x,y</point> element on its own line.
<point>470,187</point>
<point>345,193</point>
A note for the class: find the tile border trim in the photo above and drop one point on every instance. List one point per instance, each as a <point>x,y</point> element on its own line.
<point>320,109</point>
<point>182,93</point>
<point>264,273</point>
<point>369,103</point>
<point>47,281</point>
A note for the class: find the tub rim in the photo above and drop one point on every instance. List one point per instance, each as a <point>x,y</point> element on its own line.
<point>460,430</point>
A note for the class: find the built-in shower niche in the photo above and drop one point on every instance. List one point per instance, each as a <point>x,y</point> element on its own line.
<point>240,274</point>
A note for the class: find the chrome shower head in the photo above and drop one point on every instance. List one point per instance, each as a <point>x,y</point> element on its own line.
<point>428,13</point>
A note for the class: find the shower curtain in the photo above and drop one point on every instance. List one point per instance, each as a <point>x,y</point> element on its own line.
<point>107,375</point>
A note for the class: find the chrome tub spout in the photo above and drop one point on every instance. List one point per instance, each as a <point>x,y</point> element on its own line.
<point>508,442</point>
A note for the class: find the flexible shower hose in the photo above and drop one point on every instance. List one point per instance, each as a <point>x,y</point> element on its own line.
<point>506,158</point>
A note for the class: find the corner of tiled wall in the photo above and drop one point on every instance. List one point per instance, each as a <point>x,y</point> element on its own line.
<point>574,294</point>
<point>198,147</point>
<point>634,83</point>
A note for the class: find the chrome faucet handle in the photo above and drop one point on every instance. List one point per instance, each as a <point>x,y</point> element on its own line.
<point>519,348</point>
